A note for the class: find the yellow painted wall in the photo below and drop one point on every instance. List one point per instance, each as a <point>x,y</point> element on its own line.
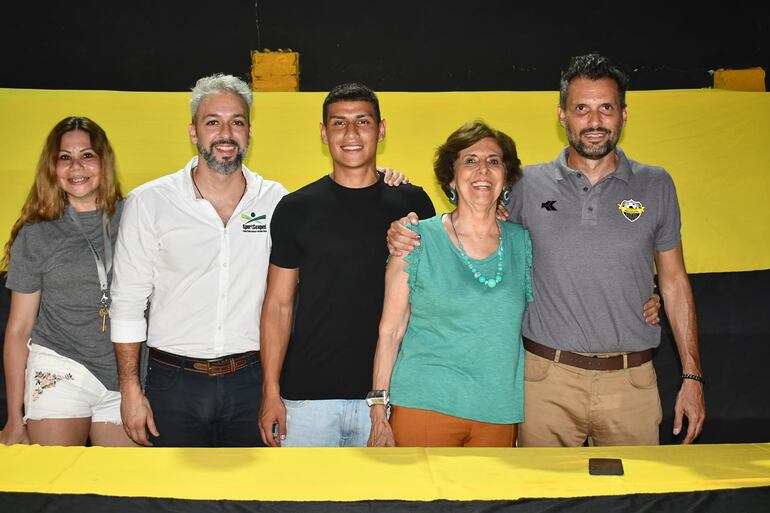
<point>712,142</point>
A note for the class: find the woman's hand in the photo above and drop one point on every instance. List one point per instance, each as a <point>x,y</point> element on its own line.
<point>14,433</point>
<point>381,435</point>
<point>651,309</point>
<point>502,212</point>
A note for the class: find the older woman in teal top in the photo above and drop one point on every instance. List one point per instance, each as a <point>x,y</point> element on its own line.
<point>457,301</point>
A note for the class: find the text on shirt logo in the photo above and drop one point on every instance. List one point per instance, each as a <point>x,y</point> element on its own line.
<point>253,222</point>
<point>631,209</point>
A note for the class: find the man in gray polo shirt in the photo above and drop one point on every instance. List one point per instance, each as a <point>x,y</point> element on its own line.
<point>598,221</point>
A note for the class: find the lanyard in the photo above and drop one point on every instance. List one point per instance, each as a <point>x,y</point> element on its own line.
<point>100,267</point>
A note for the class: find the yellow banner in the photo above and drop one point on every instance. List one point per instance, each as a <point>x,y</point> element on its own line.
<point>346,474</point>
<point>712,142</point>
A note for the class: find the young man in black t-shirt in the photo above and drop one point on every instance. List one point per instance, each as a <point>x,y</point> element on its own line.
<point>325,285</point>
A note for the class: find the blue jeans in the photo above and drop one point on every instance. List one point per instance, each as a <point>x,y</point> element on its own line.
<point>327,423</point>
<point>197,410</point>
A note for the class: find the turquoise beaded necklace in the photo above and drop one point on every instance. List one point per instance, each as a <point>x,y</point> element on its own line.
<point>489,282</point>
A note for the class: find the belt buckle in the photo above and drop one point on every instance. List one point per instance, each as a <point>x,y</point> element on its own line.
<point>220,369</point>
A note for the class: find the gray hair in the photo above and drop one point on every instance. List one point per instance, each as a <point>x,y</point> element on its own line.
<point>219,83</point>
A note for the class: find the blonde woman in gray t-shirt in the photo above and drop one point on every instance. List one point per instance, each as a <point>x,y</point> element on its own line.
<point>60,372</point>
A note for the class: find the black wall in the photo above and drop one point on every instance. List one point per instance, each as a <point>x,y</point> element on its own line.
<point>421,45</point>
<point>734,326</point>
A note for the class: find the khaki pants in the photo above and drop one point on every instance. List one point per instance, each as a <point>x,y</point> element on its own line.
<point>564,405</point>
<point>413,427</point>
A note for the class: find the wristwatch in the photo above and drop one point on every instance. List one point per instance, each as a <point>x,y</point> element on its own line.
<point>378,397</point>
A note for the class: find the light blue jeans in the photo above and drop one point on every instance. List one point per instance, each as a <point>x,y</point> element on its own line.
<point>327,423</point>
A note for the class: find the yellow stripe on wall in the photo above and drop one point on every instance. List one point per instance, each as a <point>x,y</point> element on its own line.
<point>712,142</point>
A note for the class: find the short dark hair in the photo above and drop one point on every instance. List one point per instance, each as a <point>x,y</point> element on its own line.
<point>351,92</point>
<point>468,135</point>
<point>593,67</point>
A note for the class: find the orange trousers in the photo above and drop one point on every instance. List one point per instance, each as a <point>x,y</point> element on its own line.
<point>413,427</point>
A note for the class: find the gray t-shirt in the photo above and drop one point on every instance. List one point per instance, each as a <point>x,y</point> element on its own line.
<point>593,250</point>
<point>53,257</point>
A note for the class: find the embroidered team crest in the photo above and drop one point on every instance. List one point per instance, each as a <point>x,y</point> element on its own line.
<point>631,209</point>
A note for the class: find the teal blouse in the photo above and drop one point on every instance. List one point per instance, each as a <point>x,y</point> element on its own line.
<point>462,353</point>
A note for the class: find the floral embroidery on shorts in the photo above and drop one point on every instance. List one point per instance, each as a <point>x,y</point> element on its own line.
<point>45,380</point>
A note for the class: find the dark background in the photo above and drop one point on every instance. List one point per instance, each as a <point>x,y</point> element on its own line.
<point>420,45</point>
<point>433,46</point>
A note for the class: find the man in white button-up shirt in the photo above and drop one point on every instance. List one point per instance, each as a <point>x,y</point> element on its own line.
<point>196,245</point>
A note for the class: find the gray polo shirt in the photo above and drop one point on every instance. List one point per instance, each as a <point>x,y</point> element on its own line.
<point>593,251</point>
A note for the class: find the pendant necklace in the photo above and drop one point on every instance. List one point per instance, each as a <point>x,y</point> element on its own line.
<point>489,282</point>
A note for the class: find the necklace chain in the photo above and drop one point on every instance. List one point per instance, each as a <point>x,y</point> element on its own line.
<point>483,280</point>
<point>192,174</point>
<point>195,184</point>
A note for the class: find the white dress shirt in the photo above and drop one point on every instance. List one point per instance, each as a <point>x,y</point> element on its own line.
<point>205,281</point>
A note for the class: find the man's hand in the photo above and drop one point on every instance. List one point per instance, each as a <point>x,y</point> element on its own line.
<point>136,413</point>
<point>402,240</point>
<point>651,309</point>
<point>272,413</point>
<point>690,404</point>
<point>392,177</point>
<point>381,434</point>
<point>502,212</point>
<point>14,433</point>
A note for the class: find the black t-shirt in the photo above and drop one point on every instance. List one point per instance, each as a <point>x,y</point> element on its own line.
<point>336,237</point>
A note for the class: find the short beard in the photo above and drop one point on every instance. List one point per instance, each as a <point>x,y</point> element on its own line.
<point>590,151</point>
<point>223,167</point>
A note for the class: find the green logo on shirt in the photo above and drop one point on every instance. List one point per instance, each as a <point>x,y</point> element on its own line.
<point>253,222</point>
<point>251,217</point>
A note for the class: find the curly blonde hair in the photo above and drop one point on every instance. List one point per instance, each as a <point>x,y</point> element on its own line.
<point>46,200</point>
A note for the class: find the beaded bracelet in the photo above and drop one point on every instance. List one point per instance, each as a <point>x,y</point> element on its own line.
<point>694,377</point>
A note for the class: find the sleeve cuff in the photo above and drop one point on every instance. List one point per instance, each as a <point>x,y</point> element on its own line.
<point>667,245</point>
<point>128,332</point>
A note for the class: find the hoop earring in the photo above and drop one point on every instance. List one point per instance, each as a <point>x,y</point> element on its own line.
<point>452,195</point>
<point>505,196</point>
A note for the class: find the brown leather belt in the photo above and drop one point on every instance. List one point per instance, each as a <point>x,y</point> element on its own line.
<point>213,367</point>
<point>603,363</point>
